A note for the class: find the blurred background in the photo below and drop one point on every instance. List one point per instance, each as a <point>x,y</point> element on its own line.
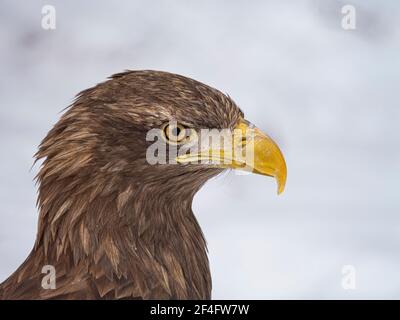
<point>328,96</point>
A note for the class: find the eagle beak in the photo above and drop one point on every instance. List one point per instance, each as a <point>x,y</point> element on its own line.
<point>263,155</point>
<point>249,150</point>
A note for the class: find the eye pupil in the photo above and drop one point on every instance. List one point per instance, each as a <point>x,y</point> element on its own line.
<point>176,131</point>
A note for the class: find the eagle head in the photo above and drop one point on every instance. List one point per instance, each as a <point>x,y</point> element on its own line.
<point>119,172</point>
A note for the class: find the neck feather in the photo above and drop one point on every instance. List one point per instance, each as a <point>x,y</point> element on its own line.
<point>126,229</point>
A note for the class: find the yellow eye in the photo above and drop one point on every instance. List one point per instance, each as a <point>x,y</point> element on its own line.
<point>177,134</point>
<point>174,133</point>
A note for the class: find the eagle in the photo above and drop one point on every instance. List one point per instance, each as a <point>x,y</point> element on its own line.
<point>114,225</point>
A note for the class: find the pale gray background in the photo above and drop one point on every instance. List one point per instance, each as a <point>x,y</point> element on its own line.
<point>329,97</point>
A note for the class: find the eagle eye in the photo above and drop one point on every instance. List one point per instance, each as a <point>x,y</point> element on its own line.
<point>177,134</point>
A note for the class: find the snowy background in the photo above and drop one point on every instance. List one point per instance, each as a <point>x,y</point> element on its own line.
<point>328,96</point>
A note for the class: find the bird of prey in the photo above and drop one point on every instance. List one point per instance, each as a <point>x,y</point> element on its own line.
<point>112,225</point>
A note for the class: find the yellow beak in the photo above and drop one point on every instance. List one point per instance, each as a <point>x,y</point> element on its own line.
<point>248,149</point>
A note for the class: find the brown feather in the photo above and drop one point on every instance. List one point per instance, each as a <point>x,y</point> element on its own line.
<point>113,226</point>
